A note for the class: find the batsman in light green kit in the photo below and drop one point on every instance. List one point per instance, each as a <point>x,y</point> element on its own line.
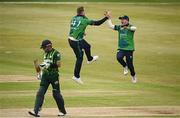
<point>50,75</point>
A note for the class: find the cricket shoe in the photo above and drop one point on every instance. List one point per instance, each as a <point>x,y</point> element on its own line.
<point>133,79</point>
<point>125,70</point>
<point>33,114</point>
<point>77,80</point>
<point>61,114</point>
<point>94,59</point>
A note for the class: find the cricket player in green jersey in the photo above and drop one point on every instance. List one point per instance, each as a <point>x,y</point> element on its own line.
<point>125,44</point>
<point>50,75</point>
<point>78,43</point>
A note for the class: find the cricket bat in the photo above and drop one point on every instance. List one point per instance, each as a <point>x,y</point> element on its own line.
<point>36,65</point>
<point>38,69</point>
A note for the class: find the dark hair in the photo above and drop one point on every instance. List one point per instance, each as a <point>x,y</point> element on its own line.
<point>80,10</point>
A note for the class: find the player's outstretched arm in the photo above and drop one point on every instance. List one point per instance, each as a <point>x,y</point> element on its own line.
<point>99,22</point>
<point>107,15</point>
<point>109,23</point>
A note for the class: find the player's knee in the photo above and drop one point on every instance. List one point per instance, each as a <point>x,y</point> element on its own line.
<point>40,94</point>
<point>56,93</point>
<point>129,64</point>
<point>88,46</point>
<point>80,58</point>
<point>119,57</point>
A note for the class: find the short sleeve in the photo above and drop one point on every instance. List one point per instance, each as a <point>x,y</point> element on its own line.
<point>117,27</point>
<point>88,21</point>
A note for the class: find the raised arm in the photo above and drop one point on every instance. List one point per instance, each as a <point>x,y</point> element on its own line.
<point>109,22</point>
<point>99,22</point>
<point>110,25</point>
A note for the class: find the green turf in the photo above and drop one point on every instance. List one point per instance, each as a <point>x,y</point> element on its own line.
<point>157,55</point>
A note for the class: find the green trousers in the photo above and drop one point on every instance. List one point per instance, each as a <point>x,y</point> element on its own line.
<point>47,79</point>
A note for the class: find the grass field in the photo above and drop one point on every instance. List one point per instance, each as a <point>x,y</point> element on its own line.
<point>157,55</point>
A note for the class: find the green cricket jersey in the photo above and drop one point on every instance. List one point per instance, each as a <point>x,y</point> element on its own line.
<point>52,57</point>
<point>126,38</point>
<point>78,26</point>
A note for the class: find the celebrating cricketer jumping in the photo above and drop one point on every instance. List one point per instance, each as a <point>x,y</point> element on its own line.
<point>49,76</point>
<point>125,44</point>
<point>78,43</point>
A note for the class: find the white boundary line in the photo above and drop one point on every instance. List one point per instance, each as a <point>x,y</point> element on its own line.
<point>123,3</point>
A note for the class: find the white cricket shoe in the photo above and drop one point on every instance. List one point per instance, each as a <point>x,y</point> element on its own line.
<point>125,70</point>
<point>78,80</point>
<point>61,114</point>
<point>32,113</point>
<point>94,59</point>
<point>133,79</point>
